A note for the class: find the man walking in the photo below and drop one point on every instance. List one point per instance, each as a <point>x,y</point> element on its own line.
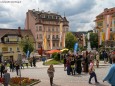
<point>6,78</point>
<point>2,69</point>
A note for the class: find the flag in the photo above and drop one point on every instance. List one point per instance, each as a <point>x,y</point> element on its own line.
<point>64,41</point>
<point>113,24</point>
<point>75,48</point>
<point>61,26</point>
<point>107,37</point>
<point>51,41</point>
<point>103,36</point>
<point>84,42</point>
<point>45,41</point>
<point>27,54</point>
<point>100,38</point>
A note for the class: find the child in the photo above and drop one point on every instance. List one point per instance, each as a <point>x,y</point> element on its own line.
<point>50,72</point>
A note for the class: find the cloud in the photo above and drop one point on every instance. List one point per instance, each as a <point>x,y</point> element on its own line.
<point>80,13</point>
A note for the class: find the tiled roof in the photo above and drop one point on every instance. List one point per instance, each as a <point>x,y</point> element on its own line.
<point>107,11</point>
<point>44,15</point>
<point>4,31</point>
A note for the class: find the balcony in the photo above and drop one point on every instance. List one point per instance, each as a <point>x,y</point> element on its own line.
<point>54,39</point>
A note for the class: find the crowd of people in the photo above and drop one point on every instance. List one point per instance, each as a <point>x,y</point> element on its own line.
<point>84,62</point>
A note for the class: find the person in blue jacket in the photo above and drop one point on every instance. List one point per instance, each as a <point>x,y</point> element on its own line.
<point>111,74</point>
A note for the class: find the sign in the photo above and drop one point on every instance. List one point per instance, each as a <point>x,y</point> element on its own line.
<point>75,48</point>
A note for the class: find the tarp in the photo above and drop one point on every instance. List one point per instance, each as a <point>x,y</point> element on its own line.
<point>53,51</point>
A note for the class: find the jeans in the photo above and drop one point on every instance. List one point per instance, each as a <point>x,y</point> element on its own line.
<point>51,81</point>
<point>91,76</point>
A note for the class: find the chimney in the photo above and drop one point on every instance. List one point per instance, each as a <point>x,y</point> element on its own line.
<point>19,30</point>
<point>105,9</point>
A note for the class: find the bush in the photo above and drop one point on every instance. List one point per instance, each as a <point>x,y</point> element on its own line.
<point>56,56</point>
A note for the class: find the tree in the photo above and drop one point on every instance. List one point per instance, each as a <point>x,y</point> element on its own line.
<point>70,40</point>
<point>94,40</point>
<point>27,45</point>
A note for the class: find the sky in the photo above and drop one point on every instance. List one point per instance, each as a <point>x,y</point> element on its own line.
<point>80,13</point>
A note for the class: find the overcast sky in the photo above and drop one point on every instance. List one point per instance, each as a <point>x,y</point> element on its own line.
<point>80,13</point>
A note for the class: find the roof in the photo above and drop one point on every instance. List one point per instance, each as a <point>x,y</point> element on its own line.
<point>23,32</point>
<point>47,15</point>
<point>107,11</point>
<point>79,34</point>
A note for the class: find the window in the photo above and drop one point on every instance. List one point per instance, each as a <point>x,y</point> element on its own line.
<point>57,29</point>
<point>17,38</point>
<point>18,49</point>
<point>66,29</point>
<point>48,36</point>
<point>53,37</point>
<point>37,36</point>
<point>57,44</point>
<point>40,36</point>
<point>10,49</point>
<point>56,36</point>
<point>53,44</point>
<point>49,29</point>
<point>53,29</point>
<point>36,28</point>
<point>40,28</point>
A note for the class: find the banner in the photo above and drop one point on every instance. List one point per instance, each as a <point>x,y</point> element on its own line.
<point>84,42</point>
<point>51,41</point>
<point>100,39</point>
<point>27,54</point>
<point>75,48</point>
<point>61,26</point>
<point>45,41</point>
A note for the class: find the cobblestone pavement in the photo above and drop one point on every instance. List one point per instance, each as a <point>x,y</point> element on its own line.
<point>61,78</point>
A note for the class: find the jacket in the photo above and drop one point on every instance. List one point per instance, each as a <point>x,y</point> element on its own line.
<point>111,75</point>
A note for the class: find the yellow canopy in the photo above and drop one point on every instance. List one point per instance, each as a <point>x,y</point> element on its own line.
<point>64,49</point>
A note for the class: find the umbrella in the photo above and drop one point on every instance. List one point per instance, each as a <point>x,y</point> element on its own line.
<point>53,51</point>
<point>65,49</point>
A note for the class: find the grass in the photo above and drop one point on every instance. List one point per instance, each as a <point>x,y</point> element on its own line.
<point>54,62</point>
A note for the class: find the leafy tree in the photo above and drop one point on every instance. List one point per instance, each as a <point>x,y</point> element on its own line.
<point>94,40</point>
<point>27,45</point>
<point>70,40</point>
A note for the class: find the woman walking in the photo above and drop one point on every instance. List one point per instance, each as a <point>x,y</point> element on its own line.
<point>111,74</point>
<point>50,72</point>
<point>92,72</point>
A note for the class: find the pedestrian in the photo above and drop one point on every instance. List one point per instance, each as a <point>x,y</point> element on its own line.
<point>92,72</point>
<point>34,61</point>
<point>11,66</point>
<point>78,64</point>
<point>64,62</point>
<point>17,68</point>
<point>97,59</point>
<point>68,65</point>
<point>2,69</point>
<point>72,63</point>
<point>6,78</point>
<point>30,61</point>
<point>26,62</point>
<point>111,74</point>
<point>50,72</point>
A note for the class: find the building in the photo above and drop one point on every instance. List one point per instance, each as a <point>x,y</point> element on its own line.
<point>48,29</point>
<point>9,39</point>
<point>105,27</point>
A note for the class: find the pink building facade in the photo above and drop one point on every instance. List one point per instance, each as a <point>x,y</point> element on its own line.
<point>47,26</point>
